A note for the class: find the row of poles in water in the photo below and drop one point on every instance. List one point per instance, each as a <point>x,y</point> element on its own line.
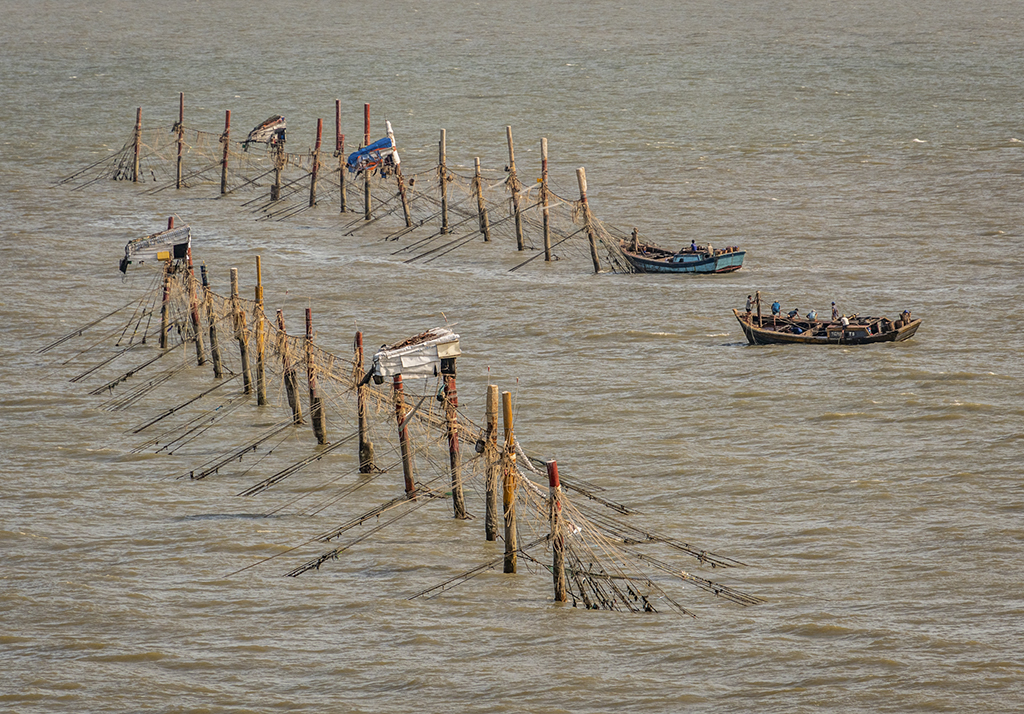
<point>513,183</point>
<point>500,463</point>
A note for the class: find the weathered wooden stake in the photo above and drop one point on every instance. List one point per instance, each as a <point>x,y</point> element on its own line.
<point>275,188</point>
<point>259,317</point>
<point>315,171</point>
<point>194,309</point>
<point>165,303</point>
<point>442,175</point>
<point>544,198</point>
<point>137,145</point>
<point>241,332</point>
<point>365,445</point>
<point>403,435</point>
<point>316,404</point>
<point>211,319</point>
<point>180,131</point>
<point>451,407</point>
<point>366,174</point>
<point>398,176</point>
<point>557,539</point>
<point>492,460</point>
<point>339,151</point>
<point>509,485</point>
<point>481,209</point>
<point>581,179</point>
<point>291,381</point>
<point>225,139</point>
<point>513,185</point>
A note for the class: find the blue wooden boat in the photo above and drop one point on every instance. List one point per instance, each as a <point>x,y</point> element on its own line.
<point>646,258</point>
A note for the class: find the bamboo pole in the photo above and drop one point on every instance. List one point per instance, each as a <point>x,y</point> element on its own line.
<point>544,198</point>
<point>316,404</point>
<point>314,173</point>
<point>581,179</point>
<point>137,144</point>
<point>366,464</point>
<point>451,407</point>
<point>211,320</point>
<point>259,317</point>
<point>557,539</point>
<point>481,208</point>
<point>225,139</point>
<point>291,381</point>
<point>241,332</point>
<point>403,435</point>
<point>180,131</point>
<point>339,151</point>
<point>442,174</point>
<point>366,174</point>
<point>398,176</point>
<point>492,460</point>
<point>509,485</point>
<point>513,185</point>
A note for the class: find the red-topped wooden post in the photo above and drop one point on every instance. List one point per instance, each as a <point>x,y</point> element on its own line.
<point>557,538</point>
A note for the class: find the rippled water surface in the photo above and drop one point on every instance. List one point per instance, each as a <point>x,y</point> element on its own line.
<point>866,152</point>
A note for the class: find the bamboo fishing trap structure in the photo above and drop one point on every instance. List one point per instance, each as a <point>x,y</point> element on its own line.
<point>367,428</point>
<point>436,208</point>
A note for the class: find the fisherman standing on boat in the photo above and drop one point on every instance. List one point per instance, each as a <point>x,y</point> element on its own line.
<point>776,308</point>
<point>636,239</point>
<point>835,311</point>
<point>750,303</point>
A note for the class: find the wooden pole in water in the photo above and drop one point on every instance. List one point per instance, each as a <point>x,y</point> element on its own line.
<point>339,151</point>
<point>137,145</point>
<point>315,171</point>
<point>225,139</point>
<point>492,460</point>
<point>366,174</point>
<point>513,185</point>
<point>241,332</point>
<point>211,320</point>
<point>260,317</point>
<point>442,175</point>
<point>291,381</point>
<point>481,209</point>
<point>758,300</point>
<point>557,539</point>
<point>316,404</point>
<point>194,309</point>
<point>165,303</point>
<point>180,131</point>
<point>403,435</point>
<point>451,408</point>
<point>365,445</point>
<point>398,176</point>
<point>509,485</point>
<point>275,188</point>
<point>544,198</point>
<point>581,179</point>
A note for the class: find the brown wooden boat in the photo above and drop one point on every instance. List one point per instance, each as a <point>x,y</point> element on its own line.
<point>854,330</point>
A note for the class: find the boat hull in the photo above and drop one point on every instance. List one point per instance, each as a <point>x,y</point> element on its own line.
<point>833,333</point>
<point>681,263</point>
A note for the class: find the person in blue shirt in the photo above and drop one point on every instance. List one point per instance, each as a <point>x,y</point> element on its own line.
<point>812,316</point>
<point>776,308</point>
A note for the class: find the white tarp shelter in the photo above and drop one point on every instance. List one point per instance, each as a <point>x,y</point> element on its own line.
<point>418,357</point>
